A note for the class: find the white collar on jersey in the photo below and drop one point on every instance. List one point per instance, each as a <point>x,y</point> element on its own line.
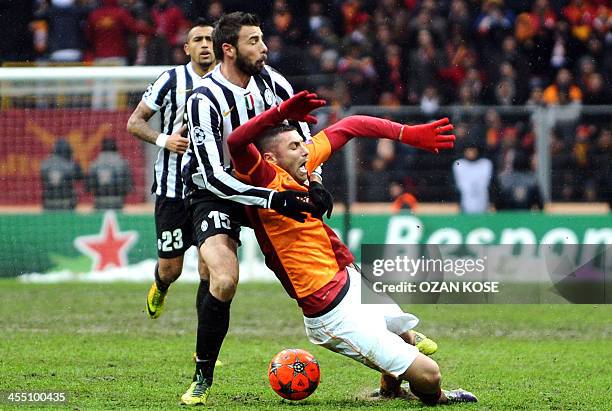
<point>216,74</point>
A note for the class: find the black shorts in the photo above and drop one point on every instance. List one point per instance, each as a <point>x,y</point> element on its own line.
<point>215,216</point>
<point>173,227</point>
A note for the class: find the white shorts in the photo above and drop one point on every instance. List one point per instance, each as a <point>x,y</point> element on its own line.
<point>368,333</point>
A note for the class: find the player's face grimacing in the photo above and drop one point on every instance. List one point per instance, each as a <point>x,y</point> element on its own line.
<point>251,52</point>
<point>199,46</point>
<point>290,154</point>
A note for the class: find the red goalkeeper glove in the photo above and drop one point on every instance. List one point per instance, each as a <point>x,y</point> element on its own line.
<point>430,136</point>
<point>299,107</point>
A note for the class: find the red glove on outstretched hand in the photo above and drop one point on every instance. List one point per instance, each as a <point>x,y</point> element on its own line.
<point>430,136</point>
<point>299,107</point>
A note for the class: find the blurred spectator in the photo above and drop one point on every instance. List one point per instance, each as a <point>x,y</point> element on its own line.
<point>109,177</point>
<point>283,23</point>
<point>494,132</point>
<point>472,179</point>
<point>596,91</point>
<point>170,22</point>
<point>519,189</point>
<point>284,58</point>
<point>582,163</point>
<point>459,17</point>
<point>430,102</point>
<point>137,8</point>
<point>316,18</point>
<point>312,65</point>
<point>563,84</point>
<point>352,14</point>
<point>215,11</point>
<point>602,163</point>
<point>493,24</point>
<point>402,199</point>
<point>580,14</point>
<point>107,30</point>
<point>359,73</point>
<point>505,93</point>
<point>375,181</point>
<point>151,51</point>
<point>423,66</point>
<point>536,96</point>
<point>59,173</point>
<point>15,34</point>
<point>390,71</point>
<point>66,20</point>
<point>561,183</point>
<point>509,148</point>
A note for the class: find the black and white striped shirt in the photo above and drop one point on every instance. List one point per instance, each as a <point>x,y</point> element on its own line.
<point>168,95</point>
<point>214,110</point>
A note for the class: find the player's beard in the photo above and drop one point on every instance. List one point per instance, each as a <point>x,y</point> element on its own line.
<point>248,68</point>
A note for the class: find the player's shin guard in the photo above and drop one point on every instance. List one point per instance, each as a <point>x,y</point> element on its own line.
<point>213,323</point>
<point>428,399</point>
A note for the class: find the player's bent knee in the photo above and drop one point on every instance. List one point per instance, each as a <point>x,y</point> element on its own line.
<point>423,373</point>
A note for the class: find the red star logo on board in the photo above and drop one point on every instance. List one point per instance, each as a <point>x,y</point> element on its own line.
<point>109,247</point>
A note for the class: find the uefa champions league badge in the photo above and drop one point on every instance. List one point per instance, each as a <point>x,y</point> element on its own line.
<point>198,135</point>
<point>268,97</point>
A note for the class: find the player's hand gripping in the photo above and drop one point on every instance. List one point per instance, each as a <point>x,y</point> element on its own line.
<point>321,199</point>
<point>176,142</point>
<point>430,137</point>
<point>292,203</point>
<point>299,107</point>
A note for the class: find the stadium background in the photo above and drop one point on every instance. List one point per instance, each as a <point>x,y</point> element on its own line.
<point>491,66</point>
<point>486,64</point>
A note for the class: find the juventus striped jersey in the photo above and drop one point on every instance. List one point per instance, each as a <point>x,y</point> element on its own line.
<point>168,95</point>
<point>213,111</point>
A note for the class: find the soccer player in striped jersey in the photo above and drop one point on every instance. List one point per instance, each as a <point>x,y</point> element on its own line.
<point>238,89</point>
<point>313,265</point>
<point>168,95</point>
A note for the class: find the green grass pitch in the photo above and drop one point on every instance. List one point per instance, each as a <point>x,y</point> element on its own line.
<point>95,343</point>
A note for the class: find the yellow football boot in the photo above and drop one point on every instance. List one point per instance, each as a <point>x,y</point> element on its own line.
<point>155,301</point>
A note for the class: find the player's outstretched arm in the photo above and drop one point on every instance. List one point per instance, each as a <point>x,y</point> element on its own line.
<point>431,137</point>
<point>137,125</point>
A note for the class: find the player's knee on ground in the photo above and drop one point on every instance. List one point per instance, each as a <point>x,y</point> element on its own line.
<point>424,378</point>
<point>169,269</point>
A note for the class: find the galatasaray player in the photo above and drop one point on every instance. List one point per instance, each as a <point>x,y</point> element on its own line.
<point>269,154</point>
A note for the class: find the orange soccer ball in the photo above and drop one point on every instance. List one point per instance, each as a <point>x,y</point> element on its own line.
<point>294,374</point>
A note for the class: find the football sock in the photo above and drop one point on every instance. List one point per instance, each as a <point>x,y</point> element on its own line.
<point>202,291</point>
<point>161,286</point>
<point>427,398</point>
<point>213,323</point>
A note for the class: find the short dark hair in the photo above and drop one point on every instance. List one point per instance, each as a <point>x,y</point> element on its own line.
<point>227,28</point>
<point>202,22</point>
<point>266,140</point>
<point>199,22</point>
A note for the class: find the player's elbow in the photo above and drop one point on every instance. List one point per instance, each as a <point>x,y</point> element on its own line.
<point>132,124</point>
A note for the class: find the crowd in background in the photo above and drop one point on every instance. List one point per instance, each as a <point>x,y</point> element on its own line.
<point>424,53</point>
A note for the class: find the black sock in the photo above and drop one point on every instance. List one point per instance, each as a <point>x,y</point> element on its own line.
<point>213,323</point>
<point>428,399</point>
<point>202,291</point>
<point>161,286</point>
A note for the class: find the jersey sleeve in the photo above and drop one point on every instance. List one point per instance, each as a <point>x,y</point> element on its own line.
<point>319,150</point>
<point>204,134</point>
<point>156,92</point>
